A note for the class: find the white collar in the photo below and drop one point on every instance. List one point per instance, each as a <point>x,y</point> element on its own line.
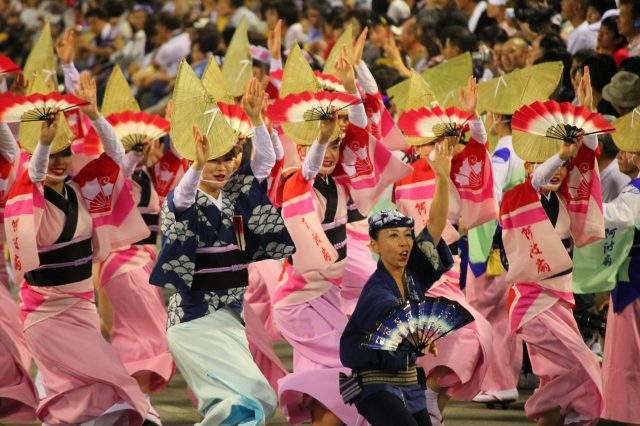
<point>609,169</point>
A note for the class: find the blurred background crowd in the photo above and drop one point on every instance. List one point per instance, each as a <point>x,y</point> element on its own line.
<point>149,38</point>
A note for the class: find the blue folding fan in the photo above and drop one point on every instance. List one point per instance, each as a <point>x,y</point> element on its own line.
<point>418,323</point>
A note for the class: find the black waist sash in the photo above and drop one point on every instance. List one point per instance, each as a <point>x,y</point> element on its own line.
<point>231,271</point>
<point>67,264</point>
<point>150,219</point>
<point>635,248</point>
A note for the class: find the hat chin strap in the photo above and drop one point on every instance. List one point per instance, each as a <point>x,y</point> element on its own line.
<point>214,181</point>
<point>58,178</point>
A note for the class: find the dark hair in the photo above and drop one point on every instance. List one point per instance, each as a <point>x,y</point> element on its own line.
<point>551,41</point>
<point>492,35</point>
<point>169,21</point>
<point>431,42</point>
<point>602,68</point>
<point>566,91</point>
<point>208,41</point>
<point>286,10</point>
<point>602,5</point>
<point>114,9</point>
<point>611,24</point>
<point>461,38</point>
<point>385,76</point>
<point>631,64</point>
<point>96,13</point>
<point>236,3</point>
<point>609,148</point>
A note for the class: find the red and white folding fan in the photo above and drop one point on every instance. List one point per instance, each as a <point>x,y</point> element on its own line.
<point>329,82</point>
<point>237,119</point>
<point>562,121</point>
<point>7,66</point>
<point>433,122</point>
<point>35,107</point>
<point>136,128</point>
<point>307,106</point>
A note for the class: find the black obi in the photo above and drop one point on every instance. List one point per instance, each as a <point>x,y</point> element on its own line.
<point>150,219</point>
<point>217,270</point>
<point>70,262</point>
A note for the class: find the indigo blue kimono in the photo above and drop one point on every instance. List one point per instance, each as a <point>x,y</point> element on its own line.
<point>202,226</point>
<point>379,295</point>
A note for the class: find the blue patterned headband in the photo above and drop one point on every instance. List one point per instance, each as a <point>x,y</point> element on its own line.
<point>388,219</point>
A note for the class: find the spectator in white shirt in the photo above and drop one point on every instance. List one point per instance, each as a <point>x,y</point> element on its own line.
<point>236,10</point>
<point>581,37</point>
<point>612,180</point>
<point>176,45</point>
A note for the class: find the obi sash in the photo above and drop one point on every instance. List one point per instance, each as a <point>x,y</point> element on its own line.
<point>66,260</point>
<point>220,268</point>
<point>150,216</point>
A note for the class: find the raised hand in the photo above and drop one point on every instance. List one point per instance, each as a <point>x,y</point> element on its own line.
<point>327,128</point>
<point>358,46</point>
<point>469,96</point>
<point>585,91</point>
<point>49,129</point>
<point>441,163</point>
<point>344,72</point>
<point>86,90</point>
<point>569,149</point>
<point>202,149</point>
<point>19,85</point>
<point>252,102</point>
<point>65,46</point>
<point>274,41</point>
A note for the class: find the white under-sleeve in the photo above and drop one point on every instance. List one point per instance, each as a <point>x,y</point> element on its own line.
<point>275,65</point>
<point>8,144</point>
<point>313,160</point>
<point>131,160</point>
<point>110,141</point>
<point>477,130</point>
<point>357,113</point>
<point>278,149</point>
<point>71,77</point>
<point>500,175</point>
<point>366,79</point>
<point>184,196</point>
<point>39,163</point>
<point>623,211</point>
<point>543,173</point>
<point>591,142</point>
<point>264,158</point>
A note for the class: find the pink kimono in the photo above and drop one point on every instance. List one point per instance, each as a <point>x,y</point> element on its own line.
<point>82,376</point>
<point>467,351</point>
<point>536,241</point>
<point>307,303</point>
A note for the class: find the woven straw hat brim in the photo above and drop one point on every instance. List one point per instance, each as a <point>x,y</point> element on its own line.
<point>533,148</point>
<point>237,67</point>
<point>627,134</point>
<point>505,94</point>
<point>213,81</point>
<point>345,40</point>
<point>413,93</point>
<point>193,105</point>
<point>117,95</point>
<point>448,78</point>
<point>29,132</point>
<point>42,59</point>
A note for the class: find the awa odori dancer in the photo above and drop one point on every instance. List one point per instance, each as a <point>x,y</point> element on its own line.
<point>213,224</point>
<point>17,391</point>
<point>614,264</point>
<point>133,313</point>
<point>459,370</point>
<point>57,227</point>
<point>385,386</point>
<point>307,303</point>
<point>557,207</point>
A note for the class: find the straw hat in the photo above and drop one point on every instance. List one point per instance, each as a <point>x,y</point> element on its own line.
<point>447,78</point>
<point>213,81</point>
<point>237,67</point>
<point>193,105</point>
<point>345,40</point>
<point>42,59</point>
<point>413,93</point>
<point>627,135</point>
<point>505,94</point>
<point>117,95</point>
<point>533,148</point>
<point>29,133</point>
<point>298,77</point>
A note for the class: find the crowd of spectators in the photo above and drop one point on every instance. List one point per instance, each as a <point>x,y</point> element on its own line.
<point>147,39</point>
